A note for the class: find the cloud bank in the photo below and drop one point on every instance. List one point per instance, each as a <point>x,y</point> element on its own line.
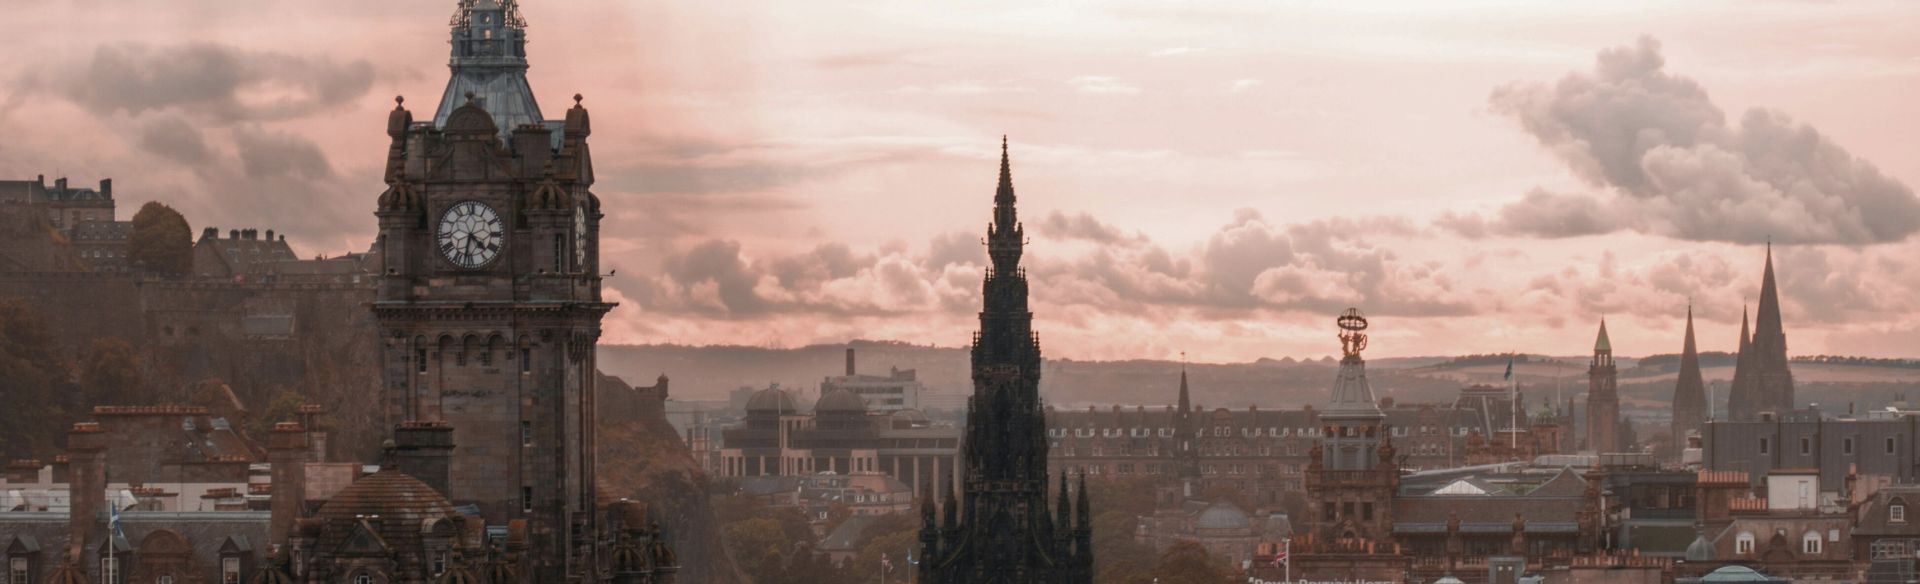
<point>1671,165</point>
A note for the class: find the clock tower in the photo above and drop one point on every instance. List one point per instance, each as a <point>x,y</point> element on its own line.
<point>489,301</point>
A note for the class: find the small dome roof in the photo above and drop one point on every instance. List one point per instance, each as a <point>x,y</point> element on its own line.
<point>402,504</point>
<point>910,415</point>
<point>772,400</point>
<point>1701,550</point>
<point>1735,574</point>
<point>840,400</point>
<point>1222,515</point>
<point>1448,580</point>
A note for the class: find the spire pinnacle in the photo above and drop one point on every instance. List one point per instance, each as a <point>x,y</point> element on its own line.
<point>1004,195</point>
<point>1602,343</point>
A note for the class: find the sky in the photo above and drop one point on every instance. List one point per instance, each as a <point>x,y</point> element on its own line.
<point>1217,179</point>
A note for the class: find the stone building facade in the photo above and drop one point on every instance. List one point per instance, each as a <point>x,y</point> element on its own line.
<point>84,216</point>
<point>842,437</point>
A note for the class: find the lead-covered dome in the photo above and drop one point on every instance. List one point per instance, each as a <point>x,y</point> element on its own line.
<point>397,506</point>
<point>840,400</point>
<point>1222,515</point>
<point>772,400</point>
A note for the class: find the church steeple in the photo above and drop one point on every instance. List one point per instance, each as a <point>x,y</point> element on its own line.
<point>1689,392</point>
<point>1762,380</point>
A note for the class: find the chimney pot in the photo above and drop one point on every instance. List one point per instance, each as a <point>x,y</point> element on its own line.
<point>849,361</point>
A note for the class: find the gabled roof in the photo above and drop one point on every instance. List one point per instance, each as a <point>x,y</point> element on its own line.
<point>1564,484</point>
<point>1470,486</point>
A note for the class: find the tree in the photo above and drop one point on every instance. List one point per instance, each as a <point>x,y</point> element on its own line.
<point>752,540</point>
<point>1116,554</point>
<point>1187,562</point>
<point>34,373</point>
<point>161,240</point>
<point>111,374</point>
<point>285,408</point>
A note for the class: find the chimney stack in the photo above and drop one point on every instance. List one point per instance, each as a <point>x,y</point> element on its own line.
<point>233,234</point>
<point>86,480</point>
<point>423,450</point>
<point>60,184</point>
<point>287,457</point>
<point>106,190</point>
<point>849,361</point>
<point>269,235</point>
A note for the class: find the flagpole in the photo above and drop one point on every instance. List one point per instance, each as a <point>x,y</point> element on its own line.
<point>1287,545</point>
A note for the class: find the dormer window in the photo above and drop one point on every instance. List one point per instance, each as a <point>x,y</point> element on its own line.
<point>1744,543</point>
<point>1897,513</point>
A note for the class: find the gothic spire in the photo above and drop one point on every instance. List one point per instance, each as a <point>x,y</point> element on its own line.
<point>1186,404</point>
<point>1689,391</point>
<point>1602,343</point>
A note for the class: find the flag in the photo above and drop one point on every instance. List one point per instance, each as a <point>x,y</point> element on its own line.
<point>1509,375</point>
<point>885,563</point>
<point>113,520</point>
<point>910,561</point>
<point>1279,558</point>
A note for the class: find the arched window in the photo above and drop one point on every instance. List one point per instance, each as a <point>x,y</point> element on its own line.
<point>362,579</point>
<point>1744,543</point>
<point>1810,544</point>
<point>1897,512</point>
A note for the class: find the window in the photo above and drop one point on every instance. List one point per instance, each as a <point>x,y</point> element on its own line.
<point>1897,513</point>
<point>1744,543</point>
<point>1806,446</point>
<point>1366,511</point>
<point>1766,446</point>
<point>165,579</point>
<point>439,562</point>
<point>420,356</point>
<point>1326,511</point>
<point>1346,509</point>
<point>1293,468</point>
<point>359,579</point>
<point>526,360</point>
<point>526,433</point>
<point>526,498</point>
<point>1811,543</point>
<point>1846,446</point>
<point>18,572</point>
<point>1889,446</point>
<point>229,570</point>
<point>559,254</point>
<point>110,569</point>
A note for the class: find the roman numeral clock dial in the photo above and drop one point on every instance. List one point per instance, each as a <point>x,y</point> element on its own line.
<point>470,234</point>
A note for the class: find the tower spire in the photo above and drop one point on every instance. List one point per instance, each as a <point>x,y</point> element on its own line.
<point>489,65</point>
<point>1689,392</point>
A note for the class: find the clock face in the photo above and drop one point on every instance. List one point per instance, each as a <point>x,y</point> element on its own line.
<point>580,236</point>
<point>470,234</point>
